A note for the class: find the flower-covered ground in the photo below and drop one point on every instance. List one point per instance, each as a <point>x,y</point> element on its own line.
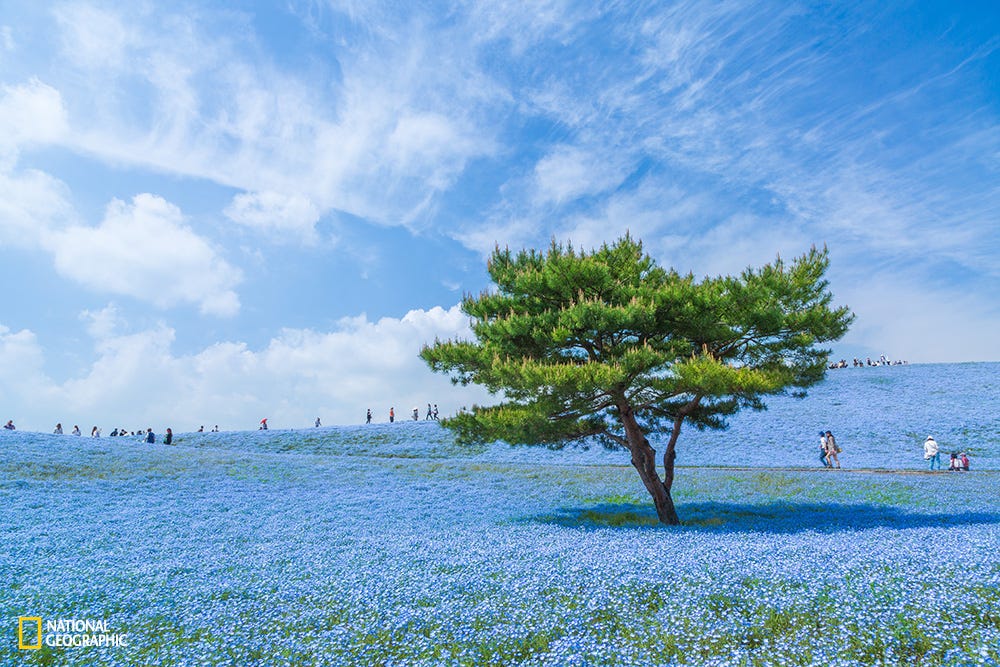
<point>388,545</point>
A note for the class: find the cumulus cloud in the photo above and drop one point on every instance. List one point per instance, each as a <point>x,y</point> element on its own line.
<point>275,212</point>
<point>102,324</point>
<point>23,383</point>
<point>144,250</point>
<point>31,113</point>
<point>31,203</point>
<point>300,374</point>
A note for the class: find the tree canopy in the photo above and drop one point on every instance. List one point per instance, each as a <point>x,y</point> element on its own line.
<point>608,344</point>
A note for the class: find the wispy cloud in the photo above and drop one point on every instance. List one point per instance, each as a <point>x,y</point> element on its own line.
<point>374,139</point>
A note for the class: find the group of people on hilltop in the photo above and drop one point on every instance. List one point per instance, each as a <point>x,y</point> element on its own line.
<point>147,435</point>
<point>432,413</point>
<point>858,363</point>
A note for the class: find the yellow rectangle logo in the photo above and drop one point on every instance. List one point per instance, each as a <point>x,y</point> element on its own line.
<point>21,644</point>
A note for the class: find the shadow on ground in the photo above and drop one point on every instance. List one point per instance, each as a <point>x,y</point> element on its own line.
<point>775,517</point>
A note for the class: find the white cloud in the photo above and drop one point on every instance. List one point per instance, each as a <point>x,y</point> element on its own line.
<point>135,378</point>
<point>102,324</point>
<point>906,320</point>
<point>31,113</point>
<point>569,172</point>
<point>379,140</point>
<point>275,212</point>
<point>92,36</point>
<point>144,250</point>
<point>31,203</point>
<point>6,38</point>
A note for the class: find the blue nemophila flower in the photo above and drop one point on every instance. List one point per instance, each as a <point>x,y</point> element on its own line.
<point>400,549</point>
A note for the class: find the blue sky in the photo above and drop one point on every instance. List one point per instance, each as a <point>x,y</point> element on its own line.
<point>211,213</point>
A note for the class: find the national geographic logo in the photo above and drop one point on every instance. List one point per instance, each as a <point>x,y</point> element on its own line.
<point>32,639</point>
<point>65,633</point>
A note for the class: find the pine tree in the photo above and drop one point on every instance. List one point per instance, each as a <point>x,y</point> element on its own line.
<point>608,345</point>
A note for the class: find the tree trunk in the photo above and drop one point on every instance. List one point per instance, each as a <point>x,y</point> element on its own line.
<point>644,460</point>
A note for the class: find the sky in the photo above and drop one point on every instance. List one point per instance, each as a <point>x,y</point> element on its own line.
<point>212,213</point>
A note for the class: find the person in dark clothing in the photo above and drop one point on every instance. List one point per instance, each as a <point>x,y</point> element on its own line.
<point>150,436</point>
<point>168,439</point>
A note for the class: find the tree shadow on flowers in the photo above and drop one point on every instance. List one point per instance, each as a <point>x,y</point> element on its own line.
<point>771,517</point>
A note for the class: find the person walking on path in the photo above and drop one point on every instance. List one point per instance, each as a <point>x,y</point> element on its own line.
<point>822,450</point>
<point>368,417</point>
<point>832,450</point>
<point>392,415</point>
<point>932,452</point>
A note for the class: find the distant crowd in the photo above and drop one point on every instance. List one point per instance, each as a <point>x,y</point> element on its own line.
<point>432,413</point>
<point>149,436</point>
<point>858,363</point>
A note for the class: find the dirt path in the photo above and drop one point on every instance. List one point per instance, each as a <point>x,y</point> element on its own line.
<point>834,471</point>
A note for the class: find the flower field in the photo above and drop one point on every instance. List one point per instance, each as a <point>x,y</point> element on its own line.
<point>389,545</point>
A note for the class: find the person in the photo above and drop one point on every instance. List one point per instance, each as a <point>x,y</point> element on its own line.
<point>150,436</point>
<point>10,425</point>
<point>416,414</point>
<point>58,430</point>
<point>435,414</point>
<point>201,429</point>
<point>932,452</point>
<point>114,433</point>
<point>954,465</point>
<point>168,439</point>
<point>76,430</point>
<point>964,461</point>
<point>95,432</point>
<point>430,413</point>
<point>317,422</point>
<point>392,415</point>
<point>832,449</point>
<point>368,417</point>
<point>263,424</point>
<point>822,449</point>
<point>216,429</point>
